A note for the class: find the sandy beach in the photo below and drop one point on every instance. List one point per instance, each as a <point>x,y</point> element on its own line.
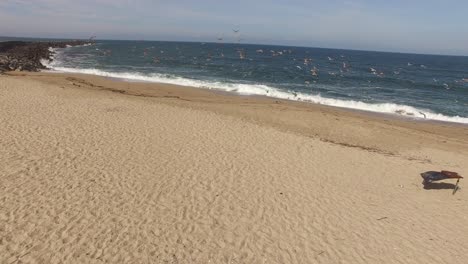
<point>96,170</point>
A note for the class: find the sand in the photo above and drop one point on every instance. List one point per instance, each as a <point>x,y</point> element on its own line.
<point>95,170</point>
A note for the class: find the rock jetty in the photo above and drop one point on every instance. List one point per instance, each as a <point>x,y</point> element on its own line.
<point>27,56</point>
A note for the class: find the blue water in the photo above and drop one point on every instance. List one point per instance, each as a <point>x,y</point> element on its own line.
<point>415,86</point>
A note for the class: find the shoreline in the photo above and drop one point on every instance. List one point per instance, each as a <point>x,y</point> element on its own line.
<point>400,110</point>
<point>98,170</point>
<point>383,115</point>
<point>256,108</point>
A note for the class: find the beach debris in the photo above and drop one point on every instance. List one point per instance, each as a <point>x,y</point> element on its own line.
<point>432,176</point>
<point>382,218</point>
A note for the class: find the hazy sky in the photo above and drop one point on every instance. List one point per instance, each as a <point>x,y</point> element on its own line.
<point>422,26</point>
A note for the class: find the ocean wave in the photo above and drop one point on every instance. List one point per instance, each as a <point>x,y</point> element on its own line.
<point>264,90</point>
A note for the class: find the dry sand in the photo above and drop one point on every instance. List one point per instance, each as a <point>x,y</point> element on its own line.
<point>98,171</point>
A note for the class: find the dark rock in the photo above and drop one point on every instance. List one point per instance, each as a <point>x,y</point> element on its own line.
<point>27,56</point>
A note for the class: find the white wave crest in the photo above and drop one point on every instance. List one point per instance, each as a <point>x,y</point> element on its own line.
<point>264,90</point>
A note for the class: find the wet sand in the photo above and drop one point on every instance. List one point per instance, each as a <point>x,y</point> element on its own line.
<point>98,170</point>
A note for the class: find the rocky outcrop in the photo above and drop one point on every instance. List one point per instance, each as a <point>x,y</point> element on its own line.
<point>27,56</point>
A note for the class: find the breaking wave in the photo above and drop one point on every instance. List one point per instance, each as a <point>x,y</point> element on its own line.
<point>264,90</point>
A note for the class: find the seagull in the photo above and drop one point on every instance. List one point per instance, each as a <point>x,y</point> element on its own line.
<point>330,59</point>
<point>235,30</point>
<point>314,71</point>
<point>241,54</point>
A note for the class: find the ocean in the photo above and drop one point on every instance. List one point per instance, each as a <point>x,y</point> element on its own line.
<point>420,87</point>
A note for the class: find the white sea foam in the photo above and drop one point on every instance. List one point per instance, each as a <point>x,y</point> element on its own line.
<point>264,90</point>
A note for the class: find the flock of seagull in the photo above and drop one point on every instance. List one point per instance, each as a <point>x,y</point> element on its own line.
<point>307,62</point>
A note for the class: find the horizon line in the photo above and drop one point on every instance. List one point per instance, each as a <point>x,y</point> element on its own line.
<point>213,42</point>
